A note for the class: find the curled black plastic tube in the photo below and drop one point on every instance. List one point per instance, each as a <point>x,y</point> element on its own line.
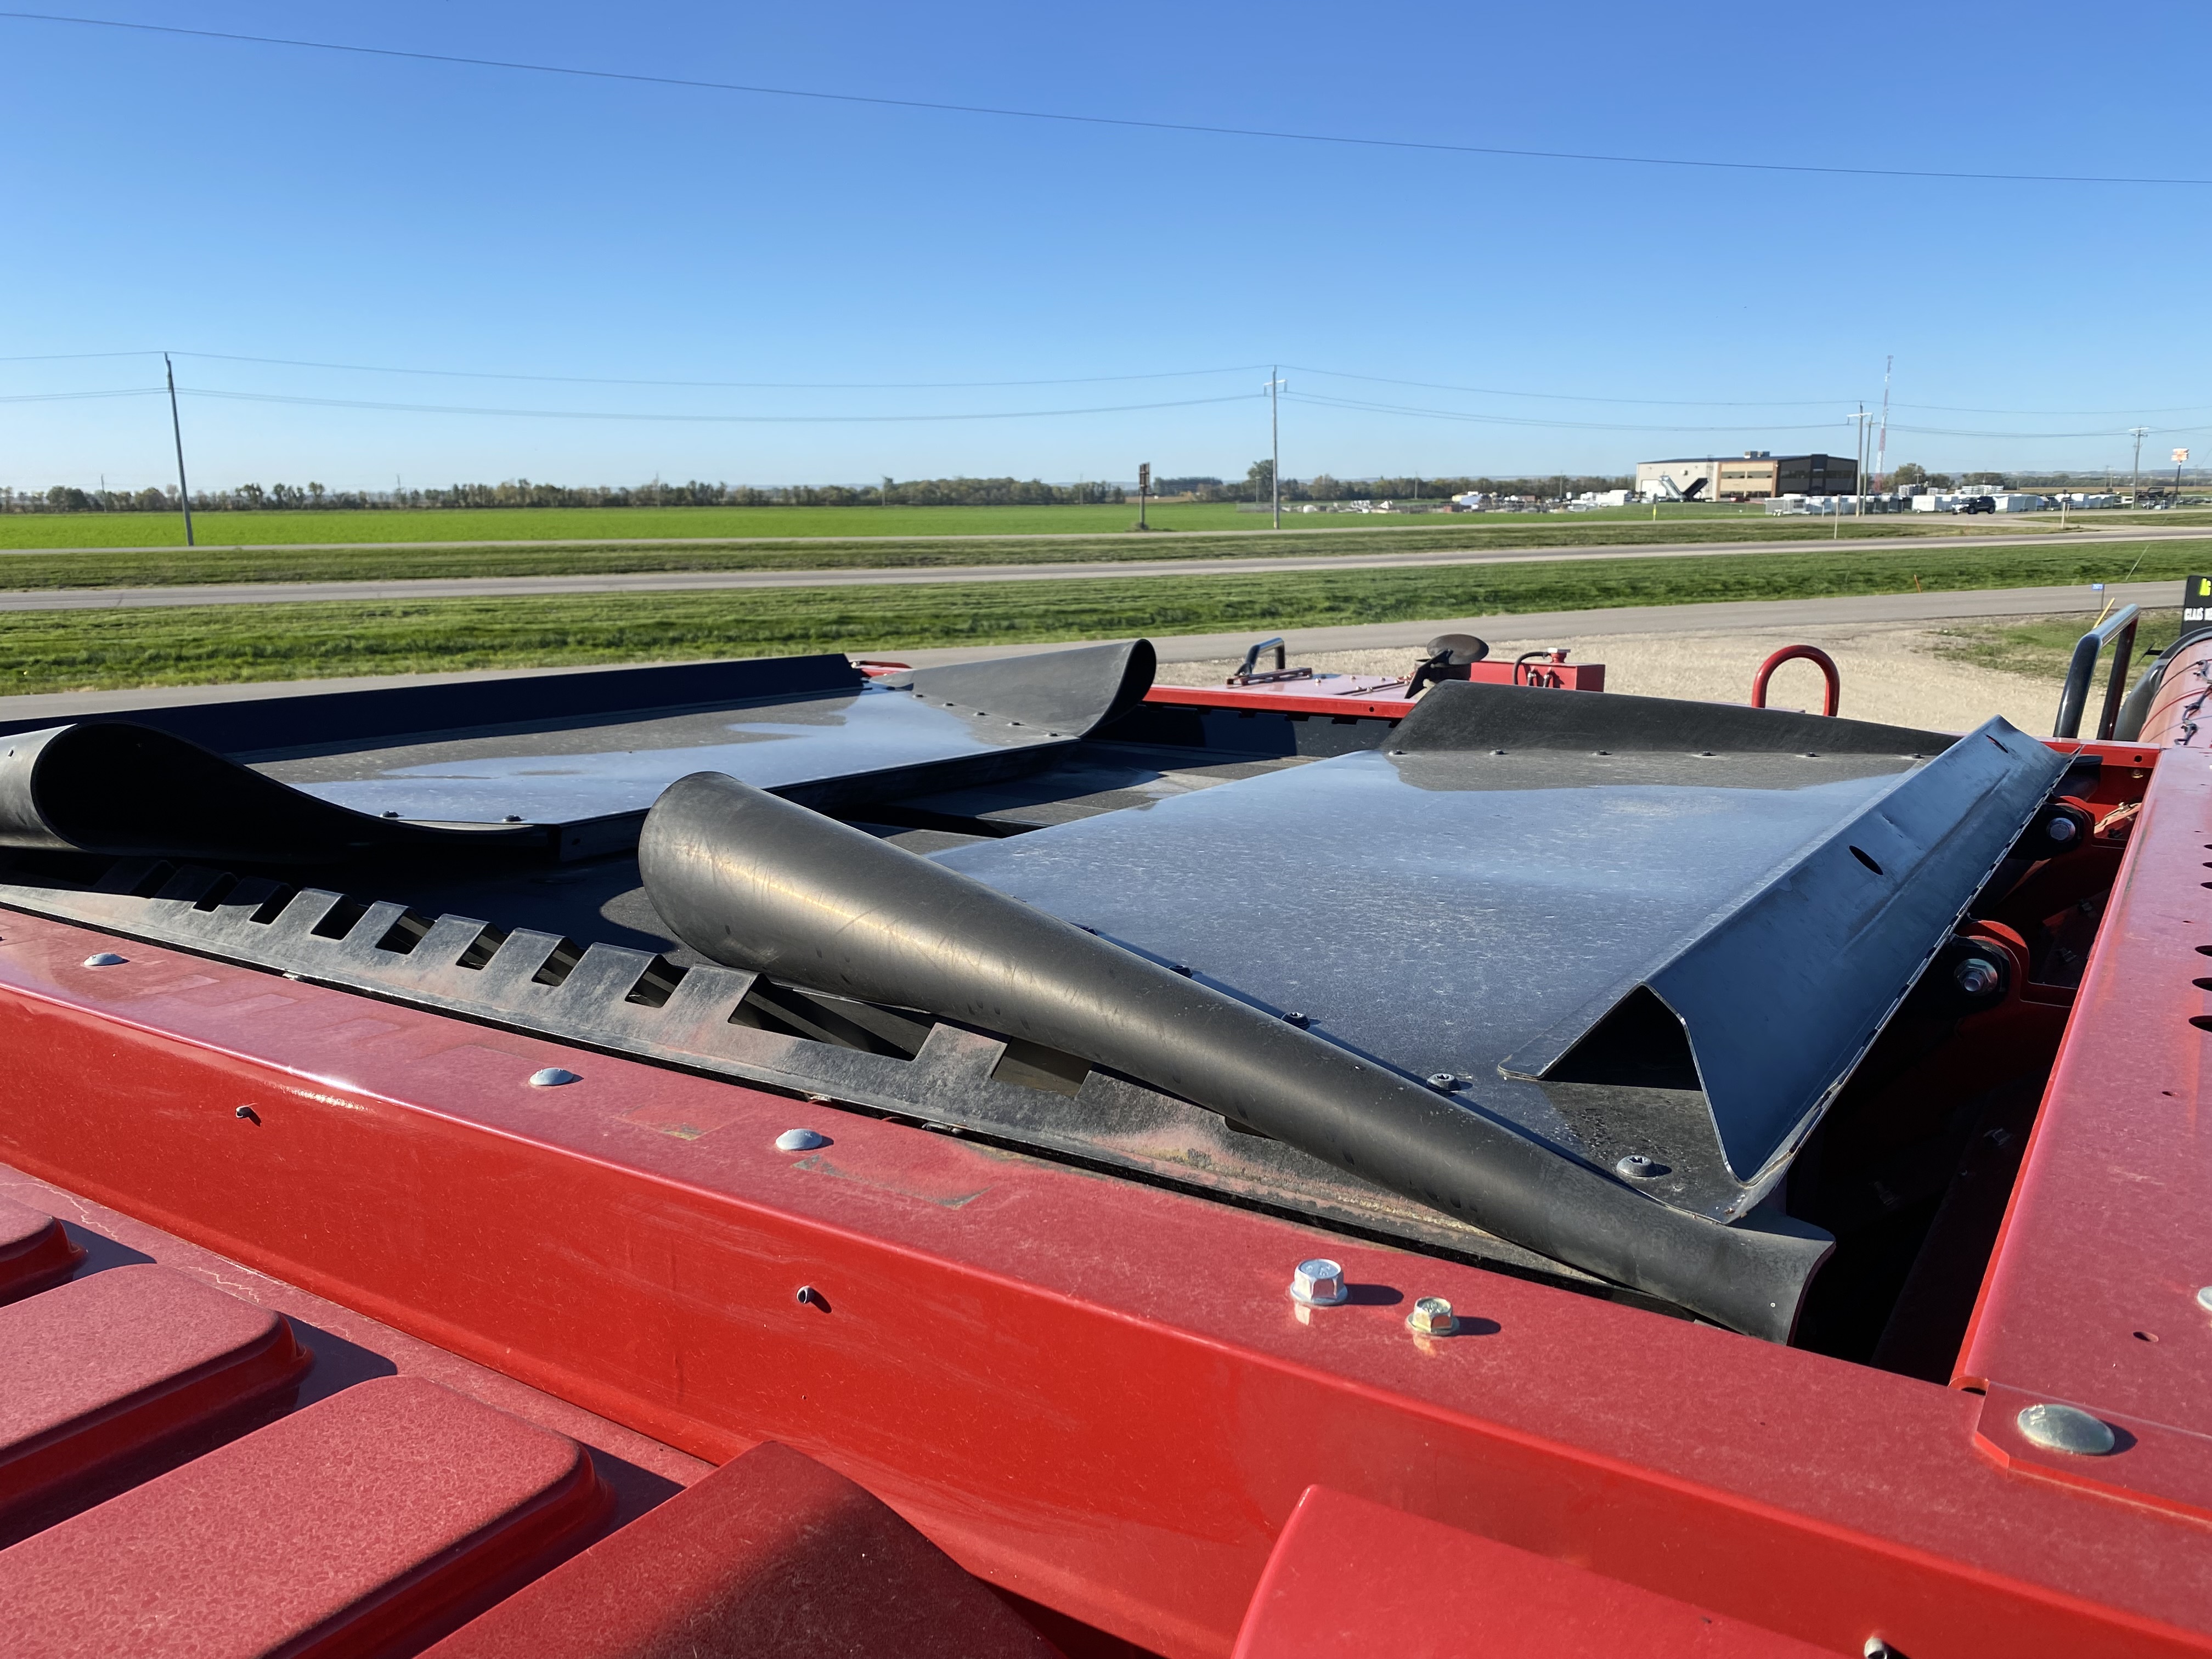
<point>755,882</point>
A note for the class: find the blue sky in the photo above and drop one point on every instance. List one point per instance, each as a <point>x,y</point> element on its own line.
<point>240,200</point>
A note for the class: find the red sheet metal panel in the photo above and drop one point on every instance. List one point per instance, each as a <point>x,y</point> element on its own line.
<point>349,1347</point>
<point>35,1251</point>
<point>352,1528</point>
<point>1354,1580</point>
<point>1093,1393</point>
<point>773,1553</point>
<point>101,1377</point>
<point>1283,702</point>
<point>2092,1297</point>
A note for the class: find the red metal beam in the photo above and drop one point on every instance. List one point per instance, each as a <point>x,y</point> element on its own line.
<point>1095,1394</point>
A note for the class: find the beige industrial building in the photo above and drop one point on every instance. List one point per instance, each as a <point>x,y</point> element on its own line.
<point>1754,476</point>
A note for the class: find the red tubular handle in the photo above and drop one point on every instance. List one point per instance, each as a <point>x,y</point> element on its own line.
<point>1791,653</point>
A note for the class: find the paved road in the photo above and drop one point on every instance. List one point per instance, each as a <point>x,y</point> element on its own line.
<point>1784,620</point>
<point>692,581</point>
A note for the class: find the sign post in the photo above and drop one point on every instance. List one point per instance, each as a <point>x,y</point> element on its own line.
<point>1144,489</point>
<point>2197,599</point>
<point>2180,456</point>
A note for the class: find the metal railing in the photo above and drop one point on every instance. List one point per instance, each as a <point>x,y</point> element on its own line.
<point>2120,629</point>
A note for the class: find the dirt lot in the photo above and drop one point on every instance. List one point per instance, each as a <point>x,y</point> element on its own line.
<point>1902,676</point>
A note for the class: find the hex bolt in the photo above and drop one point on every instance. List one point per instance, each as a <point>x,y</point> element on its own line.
<point>104,959</point>
<point>1318,1284</point>
<point>2067,1429</point>
<point>1976,977</point>
<point>1431,1316</point>
<point>552,1078</point>
<point>800,1140</point>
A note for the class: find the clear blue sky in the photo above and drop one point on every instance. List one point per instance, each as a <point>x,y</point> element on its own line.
<point>215,197</point>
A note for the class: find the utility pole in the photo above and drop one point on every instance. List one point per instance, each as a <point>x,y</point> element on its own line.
<point>2135,483</point>
<point>177,428</point>
<point>1275,443</point>
<point>1859,462</point>
<point>887,490</point>
<point>1881,449</point>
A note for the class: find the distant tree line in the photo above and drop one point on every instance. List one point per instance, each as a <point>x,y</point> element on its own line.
<point>1322,487</point>
<point>521,492</point>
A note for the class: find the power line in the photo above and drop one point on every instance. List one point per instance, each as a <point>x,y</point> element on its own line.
<point>744,420</point>
<point>1569,397</point>
<point>601,379</point>
<point>1094,120</point>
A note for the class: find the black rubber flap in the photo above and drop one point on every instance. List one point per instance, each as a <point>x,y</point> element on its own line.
<point>1648,933</point>
<point>111,787</point>
<point>1075,691</point>
<point>755,882</point>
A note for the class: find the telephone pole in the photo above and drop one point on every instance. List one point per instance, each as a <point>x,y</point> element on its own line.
<point>2135,483</point>
<point>1275,443</point>
<point>1881,446</point>
<point>177,429</point>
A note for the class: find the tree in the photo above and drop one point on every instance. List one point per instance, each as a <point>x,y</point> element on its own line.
<point>1260,480</point>
<point>1997,478</point>
<point>1911,472</point>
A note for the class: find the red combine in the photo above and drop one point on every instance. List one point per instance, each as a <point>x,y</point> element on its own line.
<point>765,1158</point>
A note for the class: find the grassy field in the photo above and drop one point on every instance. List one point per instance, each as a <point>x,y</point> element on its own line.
<point>2044,647</point>
<point>95,568</point>
<point>51,651</point>
<point>279,529</point>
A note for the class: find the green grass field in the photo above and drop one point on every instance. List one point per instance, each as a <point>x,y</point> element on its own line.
<point>97,567</point>
<point>53,650</point>
<point>279,529</point>
<point>2044,648</point>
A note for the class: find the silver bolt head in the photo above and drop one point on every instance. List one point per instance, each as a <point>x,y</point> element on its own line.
<point>2204,1298</point>
<point>1975,976</point>
<point>104,959</point>
<point>2067,1429</point>
<point>1318,1284</point>
<point>552,1078</point>
<point>2062,830</point>
<point>1637,1167</point>
<point>800,1140</point>
<point>1431,1316</point>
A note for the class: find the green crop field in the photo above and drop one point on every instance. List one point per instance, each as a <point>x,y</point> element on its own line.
<point>279,529</point>
<point>1336,535</point>
<point>51,651</point>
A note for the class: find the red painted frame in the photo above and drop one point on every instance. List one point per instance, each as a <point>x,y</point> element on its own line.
<point>1098,1395</point>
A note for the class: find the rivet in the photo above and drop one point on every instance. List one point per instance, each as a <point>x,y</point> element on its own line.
<point>2067,1429</point>
<point>391,815</point>
<point>1299,1020</point>
<point>512,817</point>
<point>1637,1167</point>
<point>800,1140</point>
<point>2204,1298</point>
<point>1318,1284</point>
<point>1442,1082</point>
<point>1431,1316</point>
<point>248,1113</point>
<point>104,959</point>
<point>806,1294</point>
<point>552,1078</point>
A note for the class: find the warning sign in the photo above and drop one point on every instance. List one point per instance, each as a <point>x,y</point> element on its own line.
<point>2197,599</point>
